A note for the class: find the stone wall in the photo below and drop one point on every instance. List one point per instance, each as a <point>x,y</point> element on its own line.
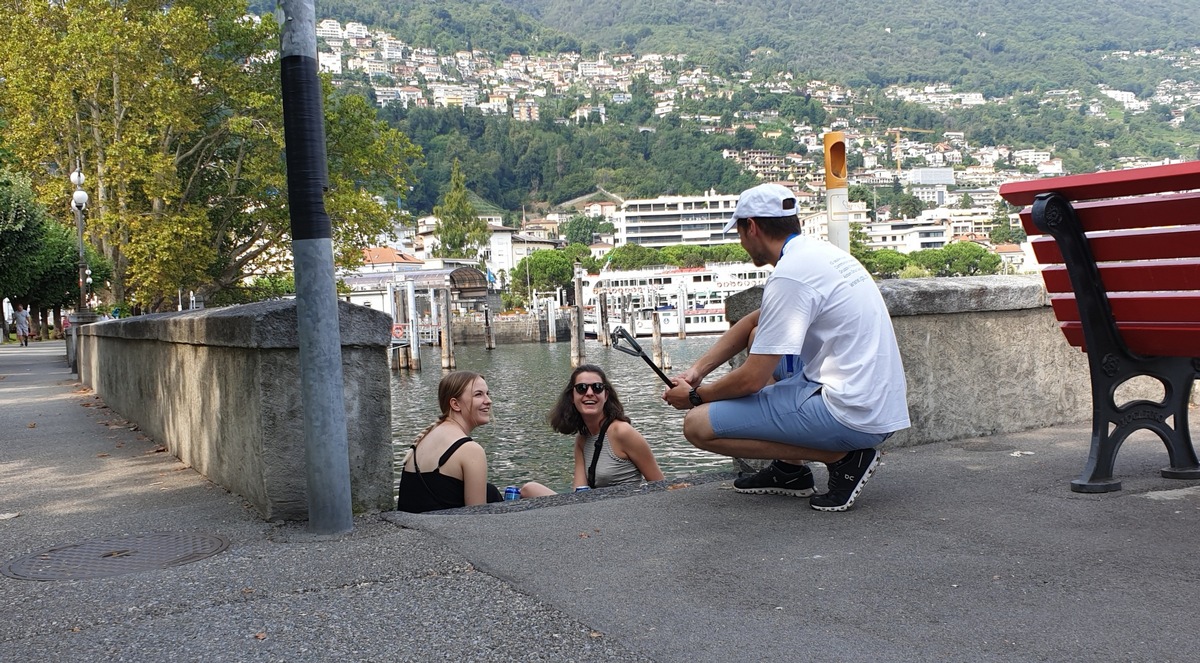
<point>221,389</point>
<point>982,355</point>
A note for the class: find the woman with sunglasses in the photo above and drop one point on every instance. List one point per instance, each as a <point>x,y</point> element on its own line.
<point>608,449</point>
<point>446,468</point>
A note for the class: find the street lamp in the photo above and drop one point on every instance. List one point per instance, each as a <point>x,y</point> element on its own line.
<point>79,201</point>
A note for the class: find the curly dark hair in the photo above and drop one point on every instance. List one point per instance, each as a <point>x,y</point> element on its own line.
<point>565,419</point>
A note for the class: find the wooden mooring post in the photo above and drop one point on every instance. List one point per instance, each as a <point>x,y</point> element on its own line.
<point>447,335</point>
<point>577,319</point>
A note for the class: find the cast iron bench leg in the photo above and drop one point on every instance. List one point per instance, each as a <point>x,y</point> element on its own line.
<point>1111,424</point>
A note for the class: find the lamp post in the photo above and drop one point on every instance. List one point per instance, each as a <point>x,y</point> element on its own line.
<point>79,201</point>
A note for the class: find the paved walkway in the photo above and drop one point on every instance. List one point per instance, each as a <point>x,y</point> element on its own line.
<point>965,551</point>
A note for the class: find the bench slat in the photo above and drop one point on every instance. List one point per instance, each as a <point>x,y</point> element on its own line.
<point>1149,339</point>
<point>1156,307</point>
<point>1144,212</point>
<point>1111,184</point>
<point>1146,244</point>
<point>1134,276</point>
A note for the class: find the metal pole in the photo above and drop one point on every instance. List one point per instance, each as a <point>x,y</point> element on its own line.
<point>82,261</point>
<point>414,330</point>
<point>327,460</point>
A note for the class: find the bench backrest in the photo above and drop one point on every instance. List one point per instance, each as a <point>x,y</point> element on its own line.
<point>1142,232</point>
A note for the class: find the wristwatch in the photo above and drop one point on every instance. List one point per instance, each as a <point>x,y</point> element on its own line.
<point>695,398</point>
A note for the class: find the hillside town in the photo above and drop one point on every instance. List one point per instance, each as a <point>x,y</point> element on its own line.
<point>956,181</point>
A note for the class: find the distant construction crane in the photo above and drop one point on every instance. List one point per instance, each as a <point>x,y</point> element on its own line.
<point>897,131</point>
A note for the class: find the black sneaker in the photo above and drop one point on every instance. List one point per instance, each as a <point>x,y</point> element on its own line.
<point>846,480</point>
<point>771,480</point>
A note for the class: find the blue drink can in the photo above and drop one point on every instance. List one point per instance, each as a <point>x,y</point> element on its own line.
<point>512,493</point>
<point>580,489</point>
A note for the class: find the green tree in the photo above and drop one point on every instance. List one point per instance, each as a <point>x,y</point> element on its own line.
<point>547,270</point>
<point>910,206</point>
<point>732,252</point>
<point>970,259</point>
<point>966,202</point>
<point>461,233</point>
<point>1004,231</point>
<point>580,229</point>
<point>173,111</point>
<point>39,256</point>
<point>683,255</point>
<point>22,220</point>
<point>633,256</point>
<point>858,244</point>
<point>888,263</point>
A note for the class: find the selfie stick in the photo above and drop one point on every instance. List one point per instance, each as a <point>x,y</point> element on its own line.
<point>619,334</point>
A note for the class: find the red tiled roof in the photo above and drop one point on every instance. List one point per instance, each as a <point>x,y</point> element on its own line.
<point>385,255</point>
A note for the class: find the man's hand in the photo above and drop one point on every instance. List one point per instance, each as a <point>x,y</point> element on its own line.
<point>677,396</point>
<point>690,376</point>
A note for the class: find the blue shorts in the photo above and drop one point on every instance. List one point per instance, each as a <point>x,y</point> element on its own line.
<point>790,411</point>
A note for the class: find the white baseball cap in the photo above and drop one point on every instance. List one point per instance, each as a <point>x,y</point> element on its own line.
<point>763,201</point>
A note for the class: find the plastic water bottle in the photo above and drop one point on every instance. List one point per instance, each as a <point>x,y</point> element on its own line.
<point>512,493</point>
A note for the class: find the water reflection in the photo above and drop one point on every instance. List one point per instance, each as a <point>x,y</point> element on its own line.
<point>524,381</point>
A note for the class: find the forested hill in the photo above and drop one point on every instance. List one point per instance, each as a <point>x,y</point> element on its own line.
<point>995,47</point>
<point>984,45</point>
<point>448,25</point>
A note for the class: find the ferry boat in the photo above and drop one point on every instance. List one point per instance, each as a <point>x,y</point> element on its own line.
<point>697,294</point>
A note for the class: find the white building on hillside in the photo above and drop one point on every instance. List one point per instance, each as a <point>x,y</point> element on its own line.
<point>817,225</point>
<point>907,236</point>
<point>670,220</point>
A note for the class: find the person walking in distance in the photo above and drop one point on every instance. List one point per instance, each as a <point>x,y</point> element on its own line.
<point>823,380</point>
<point>21,320</point>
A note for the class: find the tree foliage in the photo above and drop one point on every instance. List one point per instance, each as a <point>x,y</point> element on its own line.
<point>986,46</point>
<point>460,231</point>
<point>173,111</point>
<point>514,164</point>
<point>957,259</point>
<point>39,257</point>
<point>581,229</point>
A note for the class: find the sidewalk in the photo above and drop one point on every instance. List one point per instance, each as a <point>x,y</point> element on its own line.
<point>956,552</point>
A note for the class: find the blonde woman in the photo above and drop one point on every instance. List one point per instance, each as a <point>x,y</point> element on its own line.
<point>446,468</point>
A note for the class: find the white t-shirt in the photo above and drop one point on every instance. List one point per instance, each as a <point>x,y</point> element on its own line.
<point>822,305</point>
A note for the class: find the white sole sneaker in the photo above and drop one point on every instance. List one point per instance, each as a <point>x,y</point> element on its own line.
<point>857,488</point>
<point>803,492</point>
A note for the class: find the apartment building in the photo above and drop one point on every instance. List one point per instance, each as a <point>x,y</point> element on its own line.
<point>977,221</point>
<point>907,236</point>
<point>670,220</point>
<point>817,225</point>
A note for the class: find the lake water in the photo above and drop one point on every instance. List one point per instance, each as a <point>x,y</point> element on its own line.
<point>525,379</point>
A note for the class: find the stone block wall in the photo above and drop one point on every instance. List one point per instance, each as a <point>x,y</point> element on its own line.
<point>221,389</point>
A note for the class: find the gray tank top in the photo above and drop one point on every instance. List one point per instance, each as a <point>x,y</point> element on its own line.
<point>610,470</point>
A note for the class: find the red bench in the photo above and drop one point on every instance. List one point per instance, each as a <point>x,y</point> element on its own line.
<point>1122,251</point>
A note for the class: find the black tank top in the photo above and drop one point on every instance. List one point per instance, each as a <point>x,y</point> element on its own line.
<point>430,491</point>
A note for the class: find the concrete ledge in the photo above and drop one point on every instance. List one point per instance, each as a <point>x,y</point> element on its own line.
<point>270,324</point>
<point>221,389</point>
<point>962,295</point>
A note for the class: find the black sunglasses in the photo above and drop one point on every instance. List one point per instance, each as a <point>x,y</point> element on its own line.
<point>582,387</point>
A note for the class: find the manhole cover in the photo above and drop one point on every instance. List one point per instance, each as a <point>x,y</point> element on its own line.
<point>115,556</point>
